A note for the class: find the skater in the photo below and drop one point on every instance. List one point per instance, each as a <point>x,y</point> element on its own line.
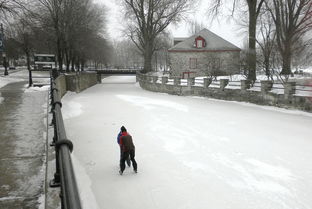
<point>127,148</point>
<point>118,141</point>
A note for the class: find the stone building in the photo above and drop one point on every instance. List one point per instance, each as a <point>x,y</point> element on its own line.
<point>203,54</point>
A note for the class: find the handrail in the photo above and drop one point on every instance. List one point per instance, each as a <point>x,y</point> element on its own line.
<point>64,175</point>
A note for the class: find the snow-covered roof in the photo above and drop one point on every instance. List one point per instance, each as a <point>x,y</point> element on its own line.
<point>213,42</point>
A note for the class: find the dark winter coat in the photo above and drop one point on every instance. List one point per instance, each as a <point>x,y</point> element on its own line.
<point>126,142</point>
<point>118,137</point>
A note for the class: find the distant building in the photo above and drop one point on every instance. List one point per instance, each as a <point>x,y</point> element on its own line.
<point>203,54</point>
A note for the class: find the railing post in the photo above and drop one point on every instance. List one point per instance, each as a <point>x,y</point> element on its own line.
<point>138,76</point>
<point>245,84</point>
<point>99,77</point>
<point>207,82</point>
<point>266,86</point>
<point>190,81</point>
<point>289,89</point>
<point>164,80</point>
<point>147,78</point>
<point>223,83</point>
<point>177,81</point>
<point>155,78</point>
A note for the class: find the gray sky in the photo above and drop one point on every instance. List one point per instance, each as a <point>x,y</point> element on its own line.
<point>225,27</point>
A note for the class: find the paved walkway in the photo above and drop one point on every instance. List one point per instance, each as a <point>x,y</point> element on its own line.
<point>22,146</point>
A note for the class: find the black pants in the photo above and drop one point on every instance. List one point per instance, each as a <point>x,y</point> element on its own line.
<point>125,156</point>
<point>127,160</point>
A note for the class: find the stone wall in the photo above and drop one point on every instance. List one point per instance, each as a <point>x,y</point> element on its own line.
<point>60,82</point>
<point>81,81</point>
<point>75,82</point>
<point>262,97</point>
<point>180,62</point>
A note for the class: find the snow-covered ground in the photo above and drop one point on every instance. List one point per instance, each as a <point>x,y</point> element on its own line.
<point>22,75</point>
<point>6,80</point>
<point>192,152</point>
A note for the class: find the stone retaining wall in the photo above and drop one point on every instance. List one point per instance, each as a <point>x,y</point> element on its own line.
<point>60,82</point>
<point>75,82</point>
<point>244,94</point>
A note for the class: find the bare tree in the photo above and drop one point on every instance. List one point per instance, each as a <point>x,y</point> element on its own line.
<point>12,49</point>
<point>213,66</point>
<point>55,11</point>
<point>151,18</point>
<point>160,56</point>
<point>76,24</point>
<point>126,55</point>
<point>195,27</point>
<point>22,32</point>
<point>266,42</point>
<point>10,6</point>
<point>293,18</point>
<point>254,7</point>
<point>302,54</point>
<point>98,52</point>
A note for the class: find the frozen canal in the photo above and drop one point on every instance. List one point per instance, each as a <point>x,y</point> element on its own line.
<point>192,153</point>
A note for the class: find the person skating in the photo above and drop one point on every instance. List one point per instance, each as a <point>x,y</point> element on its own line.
<point>118,141</point>
<point>128,149</point>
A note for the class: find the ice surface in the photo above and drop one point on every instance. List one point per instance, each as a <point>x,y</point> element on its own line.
<point>149,103</point>
<point>192,152</point>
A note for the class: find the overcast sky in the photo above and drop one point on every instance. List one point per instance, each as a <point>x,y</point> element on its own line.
<point>224,27</point>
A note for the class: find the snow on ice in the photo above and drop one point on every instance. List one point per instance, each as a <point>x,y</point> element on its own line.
<point>192,152</point>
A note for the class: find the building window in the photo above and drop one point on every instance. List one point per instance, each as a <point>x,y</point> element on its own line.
<point>199,43</point>
<point>193,63</point>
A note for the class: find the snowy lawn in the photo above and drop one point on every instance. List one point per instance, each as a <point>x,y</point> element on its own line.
<point>192,153</point>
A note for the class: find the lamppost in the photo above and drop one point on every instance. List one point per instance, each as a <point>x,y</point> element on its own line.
<point>2,50</point>
<point>5,64</point>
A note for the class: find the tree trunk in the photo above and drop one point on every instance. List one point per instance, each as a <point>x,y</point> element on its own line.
<point>30,83</point>
<point>267,66</point>
<point>82,64</point>
<point>67,60</point>
<point>59,54</point>
<point>286,56</point>
<point>148,53</point>
<point>73,64</point>
<point>251,56</point>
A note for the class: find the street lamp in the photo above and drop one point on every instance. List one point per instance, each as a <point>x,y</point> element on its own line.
<point>2,50</point>
<point>5,64</point>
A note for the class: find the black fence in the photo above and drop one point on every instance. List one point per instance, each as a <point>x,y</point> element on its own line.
<point>64,175</point>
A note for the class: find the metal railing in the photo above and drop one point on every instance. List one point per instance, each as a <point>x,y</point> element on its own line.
<point>64,175</point>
